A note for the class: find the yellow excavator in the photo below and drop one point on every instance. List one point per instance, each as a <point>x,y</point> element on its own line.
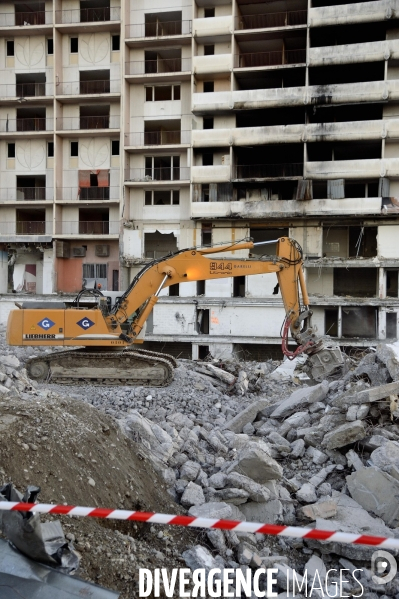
<point>109,335</point>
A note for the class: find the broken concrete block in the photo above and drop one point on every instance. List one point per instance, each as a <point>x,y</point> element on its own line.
<point>371,443</point>
<point>377,492</point>
<point>193,495</point>
<point>297,448</point>
<point>218,480</point>
<point>354,460</point>
<point>386,456</point>
<point>367,395</point>
<point>216,537</point>
<point>11,361</point>
<point>287,576</point>
<point>247,416</point>
<point>244,554</point>
<point>257,492</point>
<point>351,414</point>
<point>257,465</point>
<point>321,509</point>
<point>388,354</point>
<point>321,476</point>
<point>316,567</point>
<point>344,435</point>
<point>270,512</point>
<point>363,411</point>
<point>307,493</point>
<point>234,496</point>
<point>301,397</point>
<point>277,439</point>
<point>217,510</point>
<point>297,420</point>
<point>318,457</point>
<point>189,470</point>
<point>199,557</point>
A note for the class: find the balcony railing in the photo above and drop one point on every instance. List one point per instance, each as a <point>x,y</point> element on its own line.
<point>88,15</point>
<point>161,65</point>
<point>165,29</point>
<point>268,171</point>
<point>28,18</point>
<point>84,194</point>
<point>157,138</point>
<point>104,86</point>
<point>26,124</point>
<point>26,193</point>
<point>87,227</point>
<point>277,19</point>
<point>268,59</point>
<point>73,123</point>
<point>25,227</point>
<point>164,173</point>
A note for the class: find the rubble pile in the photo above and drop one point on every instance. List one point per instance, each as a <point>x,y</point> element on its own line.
<point>246,441</point>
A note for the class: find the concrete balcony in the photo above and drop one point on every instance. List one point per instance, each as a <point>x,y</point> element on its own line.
<point>253,136</point>
<point>352,169</point>
<point>89,88</point>
<point>89,125</point>
<point>23,125</point>
<point>213,27</point>
<point>372,91</point>
<point>39,21</point>
<point>26,194</point>
<point>277,209</point>
<point>91,228</point>
<point>157,138</point>
<point>87,194</point>
<point>354,53</point>
<point>22,231</point>
<point>259,172</point>
<point>88,15</point>
<point>27,91</point>
<point>359,12</point>
<point>214,64</point>
<point>162,69</point>
<point>162,30</point>
<point>210,174</point>
<point>269,59</point>
<point>276,20</point>
<point>148,175</point>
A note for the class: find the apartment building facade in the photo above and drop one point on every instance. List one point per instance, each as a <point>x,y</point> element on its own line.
<point>132,129</point>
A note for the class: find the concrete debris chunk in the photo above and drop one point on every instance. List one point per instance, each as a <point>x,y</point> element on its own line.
<point>321,509</point>
<point>388,354</point>
<point>253,462</point>
<point>344,435</point>
<point>247,416</point>
<point>199,557</point>
<point>217,539</point>
<point>354,460</point>
<point>376,492</point>
<point>193,495</point>
<point>189,470</point>
<point>218,510</point>
<point>297,448</point>
<point>270,512</point>
<point>367,395</point>
<point>222,375</point>
<point>257,492</point>
<point>231,495</point>
<point>386,456</point>
<point>301,397</point>
<point>307,493</point>
<point>218,480</point>
<point>316,567</point>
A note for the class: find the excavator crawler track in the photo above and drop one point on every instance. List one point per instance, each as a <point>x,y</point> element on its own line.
<point>126,367</point>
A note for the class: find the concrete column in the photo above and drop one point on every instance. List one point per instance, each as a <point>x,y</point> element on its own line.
<point>382,323</point>
<point>3,271</point>
<point>382,283</point>
<point>339,322</point>
<point>194,350</point>
<point>48,270</point>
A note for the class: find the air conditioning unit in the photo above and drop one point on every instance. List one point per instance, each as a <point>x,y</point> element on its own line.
<point>78,252</point>
<point>62,249</point>
<point>226,159</point>
<point>102,250</point>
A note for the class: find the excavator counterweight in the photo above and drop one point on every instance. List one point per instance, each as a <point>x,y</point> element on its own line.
<point>106,339</point>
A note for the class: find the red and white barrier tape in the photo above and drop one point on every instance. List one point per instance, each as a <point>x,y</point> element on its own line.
<point>266,529</point>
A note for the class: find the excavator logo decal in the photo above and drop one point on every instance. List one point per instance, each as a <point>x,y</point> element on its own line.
<point>220,266</point>
<point>46,323</point>
<point>85,323</point>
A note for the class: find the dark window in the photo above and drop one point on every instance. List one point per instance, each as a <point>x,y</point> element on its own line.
<point>206,234</point>
<point>209,50</point>
<point>116,43</point>
<point>392,283</point>
<point>203,322</point>
<point>174,290</point>
<point>205,193</point>
<point>74,148</point>
<point>209,86</point>
<point>331,322</point>
<point>148,198</point>
<point>162,93</point>
<point>115,147</point>
<point>93,180</point>
<point>200,287</point>
<point>50,149</point>
<point>11,150</point>
<point>50,46</point>
<point>176,92</point>
<point>208,122</point>
<point>10,47</point>
<point>74,45</point>
<point>392,325</point>
<point>148,94</point>
<point>239,287</point>
<point>175,197</point>
<point>209,13</point>
<point>207,159</point>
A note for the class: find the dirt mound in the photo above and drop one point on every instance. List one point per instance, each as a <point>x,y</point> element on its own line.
<point>78,456</point>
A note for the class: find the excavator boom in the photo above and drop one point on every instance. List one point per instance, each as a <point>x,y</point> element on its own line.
<point>97,328</point>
